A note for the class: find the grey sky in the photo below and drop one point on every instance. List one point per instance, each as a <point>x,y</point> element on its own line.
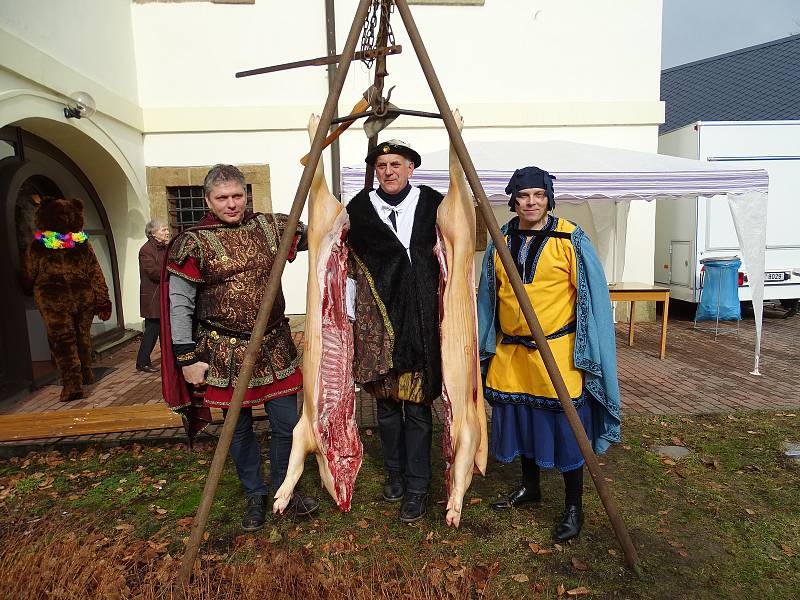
<point>696,29</point>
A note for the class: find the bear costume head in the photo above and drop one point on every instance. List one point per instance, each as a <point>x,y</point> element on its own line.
<point>60,215</point>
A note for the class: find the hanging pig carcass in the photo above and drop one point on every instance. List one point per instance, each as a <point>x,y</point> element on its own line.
<point>465,439</point>
<point>327,426</point>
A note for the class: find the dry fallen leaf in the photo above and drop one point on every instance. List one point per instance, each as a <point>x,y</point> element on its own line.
<point>683,553</point>
<point>521,578</point>
<point>537,549</point>
<point>788,550</point>
<point>561,589</point>
<point>578,591</point>
<point>675,544</point>
<point>612,552</point>
<point>579,564</point>
<point>474,500</point>
<point>362,524</point>
<point>750,511</point>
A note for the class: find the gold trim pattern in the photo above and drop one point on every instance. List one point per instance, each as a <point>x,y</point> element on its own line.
<point>271,231</point>
<point>381,306</point>
<point>183,275</point>
<point>212,239</point>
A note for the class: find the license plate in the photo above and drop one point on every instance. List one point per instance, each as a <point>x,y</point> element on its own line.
<point>776,276</point>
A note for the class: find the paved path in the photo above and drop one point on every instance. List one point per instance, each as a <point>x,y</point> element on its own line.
<point>700,375</point>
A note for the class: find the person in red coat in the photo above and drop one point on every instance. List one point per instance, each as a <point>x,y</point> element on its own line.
<point>151,258</point>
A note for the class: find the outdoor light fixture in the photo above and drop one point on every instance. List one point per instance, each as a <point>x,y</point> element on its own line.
<point>81,105</point>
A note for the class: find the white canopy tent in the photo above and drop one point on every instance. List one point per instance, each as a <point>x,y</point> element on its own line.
<point>608,179</point>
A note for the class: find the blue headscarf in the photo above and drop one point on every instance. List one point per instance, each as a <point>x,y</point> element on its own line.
<point>531,177</point>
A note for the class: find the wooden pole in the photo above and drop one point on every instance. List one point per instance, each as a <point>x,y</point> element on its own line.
<point>621,532</point>
<point>270,292</point>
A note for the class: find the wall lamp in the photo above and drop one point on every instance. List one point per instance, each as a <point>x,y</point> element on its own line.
<point>81,104</point>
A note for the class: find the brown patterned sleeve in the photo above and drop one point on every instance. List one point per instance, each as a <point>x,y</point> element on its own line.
<point>301,235</point>
<point>186,258</point>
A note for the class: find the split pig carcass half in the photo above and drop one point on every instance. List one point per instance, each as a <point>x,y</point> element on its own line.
<point>465,440</point>
<point>327,426</point>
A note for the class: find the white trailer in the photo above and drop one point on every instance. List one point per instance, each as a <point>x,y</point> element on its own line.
<point>691,229</point>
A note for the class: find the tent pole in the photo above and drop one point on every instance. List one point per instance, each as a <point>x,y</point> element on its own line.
<point>270,293</point>
<point>631,557</point>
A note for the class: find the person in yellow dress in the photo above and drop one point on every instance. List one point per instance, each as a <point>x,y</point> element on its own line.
<point>567,288</point>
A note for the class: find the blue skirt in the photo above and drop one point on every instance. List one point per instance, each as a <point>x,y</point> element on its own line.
<point>537,433</point>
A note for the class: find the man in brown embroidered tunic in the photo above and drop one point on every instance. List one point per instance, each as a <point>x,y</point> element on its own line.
<point>215,274</point>
<point>393,300</point>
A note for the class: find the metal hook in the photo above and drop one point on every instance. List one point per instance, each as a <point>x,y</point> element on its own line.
<point>383,104</point>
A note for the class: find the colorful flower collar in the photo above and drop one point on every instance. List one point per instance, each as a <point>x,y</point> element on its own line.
<point>56,241</point>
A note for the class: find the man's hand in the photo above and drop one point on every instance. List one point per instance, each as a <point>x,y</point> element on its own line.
<point>195,373</point>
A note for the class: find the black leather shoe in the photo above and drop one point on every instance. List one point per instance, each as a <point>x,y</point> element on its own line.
<point>570,524</point>
<point>414,507</point>
<point>254,513</point>
<point>148,369</point>
<point>519,497</point>
<point>303,505</point>
<point>394,488</point>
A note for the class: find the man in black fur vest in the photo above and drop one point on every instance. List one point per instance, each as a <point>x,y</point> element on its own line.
<point>392,293</point>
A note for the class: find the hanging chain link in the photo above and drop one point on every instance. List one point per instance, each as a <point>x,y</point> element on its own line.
<point>368,41</point>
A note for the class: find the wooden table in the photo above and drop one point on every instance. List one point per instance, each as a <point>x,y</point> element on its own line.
<point>633,292</point>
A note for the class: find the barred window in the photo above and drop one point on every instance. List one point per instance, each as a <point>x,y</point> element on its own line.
<point>187,205</point>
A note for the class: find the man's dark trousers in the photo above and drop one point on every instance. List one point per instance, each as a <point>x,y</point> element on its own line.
<point>406,433</point>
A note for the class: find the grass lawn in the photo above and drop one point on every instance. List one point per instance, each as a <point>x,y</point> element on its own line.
<point>724,522</point>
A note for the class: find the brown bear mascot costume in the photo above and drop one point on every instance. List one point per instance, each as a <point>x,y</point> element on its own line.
<point>68,287</point>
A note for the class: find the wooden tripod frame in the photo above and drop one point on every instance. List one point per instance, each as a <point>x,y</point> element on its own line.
<point>273,283</point>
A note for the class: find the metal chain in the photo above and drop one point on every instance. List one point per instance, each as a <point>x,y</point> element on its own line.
<point>368,34</point>
<point>368,41</point>
<point>389,32</point>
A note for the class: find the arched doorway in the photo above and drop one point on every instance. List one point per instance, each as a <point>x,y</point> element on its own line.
<point>31,168</point>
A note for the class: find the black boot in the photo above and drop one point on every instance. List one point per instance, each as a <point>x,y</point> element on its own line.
<point>254,513</point>
<point>414,507</point>
<point>394,488</point>
<point>572,520</point>
<point>570,524</point>
<point>303,505</point>
<point>527,493</point>
<point>519,497</point>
